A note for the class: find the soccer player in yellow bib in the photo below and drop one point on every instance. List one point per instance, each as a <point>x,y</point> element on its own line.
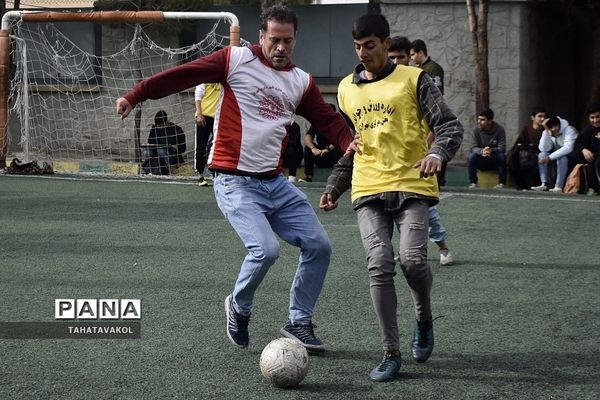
<point>393,179</point>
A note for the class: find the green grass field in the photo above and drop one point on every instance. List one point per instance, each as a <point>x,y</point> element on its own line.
<point>521,306</point>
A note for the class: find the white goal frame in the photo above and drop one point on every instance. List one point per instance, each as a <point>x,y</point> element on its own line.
<point>11,17</point>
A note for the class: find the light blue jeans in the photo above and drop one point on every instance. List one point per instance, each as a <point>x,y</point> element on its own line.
<point>437,231</point>
<point>376,229</point>
<point>562,166</point>
<point>259,211</point>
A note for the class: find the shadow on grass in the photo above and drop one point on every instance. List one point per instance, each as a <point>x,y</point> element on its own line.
<point>556,369</point>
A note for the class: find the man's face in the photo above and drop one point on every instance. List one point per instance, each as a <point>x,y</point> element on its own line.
<point>278,43</point>
<point>538,119</point>
<point>399,57</point>
<point>372,52</point>
<point>594,119</point>
<point>554,130</point>
<point>418,57</point>
<point>484,123</point>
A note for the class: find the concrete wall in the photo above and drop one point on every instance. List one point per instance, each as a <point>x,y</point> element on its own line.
<point>443,25</point>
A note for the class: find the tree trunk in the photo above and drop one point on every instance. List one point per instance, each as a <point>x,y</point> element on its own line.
<point>478,28</point>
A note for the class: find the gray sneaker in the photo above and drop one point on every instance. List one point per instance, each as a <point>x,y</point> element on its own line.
<point>387,369</point>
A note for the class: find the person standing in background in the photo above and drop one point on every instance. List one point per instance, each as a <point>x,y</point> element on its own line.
<point>399,54</point>
<point>418,55</point>
<point>207,97</point>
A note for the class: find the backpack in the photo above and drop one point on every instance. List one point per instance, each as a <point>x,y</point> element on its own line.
<point>528,158</point>
<point>577,181</point>
<point>18,167</point>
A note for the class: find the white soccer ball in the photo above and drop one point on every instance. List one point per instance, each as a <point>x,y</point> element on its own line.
<point>284,362</point>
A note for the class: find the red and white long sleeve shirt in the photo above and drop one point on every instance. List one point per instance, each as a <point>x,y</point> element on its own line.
<point>256,108</point>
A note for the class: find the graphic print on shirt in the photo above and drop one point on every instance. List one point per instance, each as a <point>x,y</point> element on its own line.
<point>373,115</point>
<point>270,103</point>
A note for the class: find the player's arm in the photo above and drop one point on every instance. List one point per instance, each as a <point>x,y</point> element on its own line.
<point>210,68</point>
<point>338,182</point>
<point>447,129</point>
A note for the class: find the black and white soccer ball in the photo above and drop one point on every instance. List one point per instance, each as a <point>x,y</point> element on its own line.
<point>284,362</point>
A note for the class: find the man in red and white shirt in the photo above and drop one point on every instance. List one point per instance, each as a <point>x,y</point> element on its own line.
<point>262,90</point>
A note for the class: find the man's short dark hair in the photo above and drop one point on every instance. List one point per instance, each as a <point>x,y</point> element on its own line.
<point>419,45</point>
<point>278,13</point>
<point>487,113</point>
<point>400,43</point>
<point>536,110</point>
<point>592,107</point>
<point>553,121</point>
<point>371,24</point>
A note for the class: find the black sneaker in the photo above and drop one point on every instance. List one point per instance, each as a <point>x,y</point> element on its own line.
<point>388,368</point>
<point>202,182</point>
<point>237,325</point>
<point>422,343</point>
<point>303,334</point>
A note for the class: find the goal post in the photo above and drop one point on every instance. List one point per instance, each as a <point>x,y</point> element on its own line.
<point>17,88</point>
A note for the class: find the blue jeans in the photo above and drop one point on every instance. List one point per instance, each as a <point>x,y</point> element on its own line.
<point>437,231</point>
<point>496,162</point>
<point>562,166</point>
<point>376,229</point>
<point>259,211</point>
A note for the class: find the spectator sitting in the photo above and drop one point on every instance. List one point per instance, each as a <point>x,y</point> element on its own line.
<point>556,143</point>
<point>587,148</point>
<point>169,143</point>
<point>523,156</point>
<point>488,151</point>
<point>292,157</point>
<point>318,150</point>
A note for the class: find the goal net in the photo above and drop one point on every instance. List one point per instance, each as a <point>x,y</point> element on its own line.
<point>66,76</point>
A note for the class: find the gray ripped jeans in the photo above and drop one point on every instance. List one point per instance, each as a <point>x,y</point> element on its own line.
<point>376,226</point>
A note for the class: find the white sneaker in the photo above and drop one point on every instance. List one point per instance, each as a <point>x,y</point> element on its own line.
<point>499,186</point>
<point>446,259</point>
<point>292,178</point>
<point>555,190</point>
<point>541,188</point>
<point>473,186</point>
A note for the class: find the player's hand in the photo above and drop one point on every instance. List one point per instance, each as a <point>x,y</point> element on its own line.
<point>429,166</point>
<point>123,107</point>
<point>200,120</point>
<point>354,147</point>
<point>327,202</point>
